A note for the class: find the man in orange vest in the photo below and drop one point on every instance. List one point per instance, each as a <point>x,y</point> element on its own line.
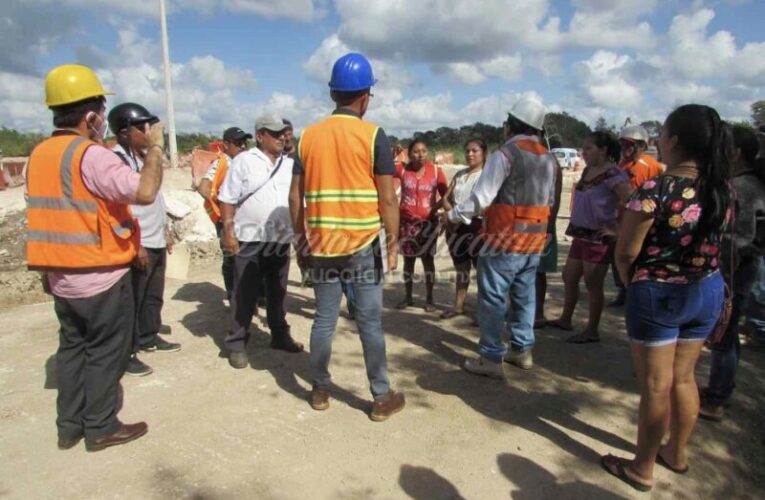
<point>82,235</point>
<point>344,172</point>
<point>234,142</point>
<point>641,166</point>
<point>515,192</point>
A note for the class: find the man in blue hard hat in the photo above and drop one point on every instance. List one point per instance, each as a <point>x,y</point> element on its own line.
<point>344,172</point>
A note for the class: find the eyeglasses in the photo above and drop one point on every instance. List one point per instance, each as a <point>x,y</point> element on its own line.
<point>276,135</point>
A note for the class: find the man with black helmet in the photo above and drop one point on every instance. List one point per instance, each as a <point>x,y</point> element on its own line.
<point>82,235</point>
<point>127,122</point>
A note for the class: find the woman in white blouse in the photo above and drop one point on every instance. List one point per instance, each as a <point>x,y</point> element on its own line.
<point>463,239</point>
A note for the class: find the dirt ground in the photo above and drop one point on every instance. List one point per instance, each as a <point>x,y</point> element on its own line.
<point>219,433</point>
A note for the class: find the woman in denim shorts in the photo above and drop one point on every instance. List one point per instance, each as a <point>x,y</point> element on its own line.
<point>668,252</point>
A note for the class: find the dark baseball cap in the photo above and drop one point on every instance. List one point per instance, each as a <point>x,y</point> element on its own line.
<point>235,134</point>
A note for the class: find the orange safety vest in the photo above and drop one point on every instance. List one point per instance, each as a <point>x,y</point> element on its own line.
<point>211,204</point>
<point>68,228</point>
<point>644,168</point>
<point>516,221</point>
<point>342,212</point>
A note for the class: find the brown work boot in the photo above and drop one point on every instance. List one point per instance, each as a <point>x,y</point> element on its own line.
<point>388,405</point>
<point>124,434</point>
<point>319,398</point>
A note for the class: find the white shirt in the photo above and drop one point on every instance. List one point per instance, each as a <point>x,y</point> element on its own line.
<point>152,218</point>
<point>265,215</point>
<point>464,182</point>
<point>494,173</point>
<point>210,174</point>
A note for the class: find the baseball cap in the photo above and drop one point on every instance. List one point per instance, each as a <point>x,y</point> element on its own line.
<point>235,134</point>
<point>271,122</point>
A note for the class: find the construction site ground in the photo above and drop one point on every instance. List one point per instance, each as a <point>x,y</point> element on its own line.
<point>219,433</point>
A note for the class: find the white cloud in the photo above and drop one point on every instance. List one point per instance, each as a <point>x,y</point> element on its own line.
<point>603,81</point>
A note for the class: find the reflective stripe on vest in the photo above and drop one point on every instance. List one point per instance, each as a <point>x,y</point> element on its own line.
<point>68,227</point>
<point>342,211</point>
<point>517,220</point>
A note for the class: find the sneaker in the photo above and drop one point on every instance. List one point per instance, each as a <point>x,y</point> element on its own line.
<point>711,412</point>
<point>162,345</point>
<point>319,398</point>
<point>386,406</point>
<point>137,368</point>
<point>238,360</point>
<point>286,343</point>
<point>482,366</point>
<point>523,360</point>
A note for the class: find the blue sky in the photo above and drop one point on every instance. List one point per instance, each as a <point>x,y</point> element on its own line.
<point>439,62</point>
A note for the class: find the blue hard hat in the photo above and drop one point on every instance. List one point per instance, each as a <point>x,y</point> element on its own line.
<point>352,72</point>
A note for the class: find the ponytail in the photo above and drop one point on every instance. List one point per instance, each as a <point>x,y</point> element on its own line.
<point>706,139</point>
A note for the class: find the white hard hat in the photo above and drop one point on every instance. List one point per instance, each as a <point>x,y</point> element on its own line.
<point>634,133</point>
<point>531,112</point>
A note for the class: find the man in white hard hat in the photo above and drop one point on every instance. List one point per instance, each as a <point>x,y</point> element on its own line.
<point>640,166</point>
<point>515,193</point>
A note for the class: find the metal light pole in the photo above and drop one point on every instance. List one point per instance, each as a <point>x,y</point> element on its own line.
<point>168,87</point>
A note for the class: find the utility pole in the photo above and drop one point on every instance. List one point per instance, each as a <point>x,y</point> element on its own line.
<point>168,87</point>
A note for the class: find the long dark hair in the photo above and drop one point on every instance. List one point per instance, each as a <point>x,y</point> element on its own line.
<point>745,139</point>
<point>603,139</point>
<point>703,137</point>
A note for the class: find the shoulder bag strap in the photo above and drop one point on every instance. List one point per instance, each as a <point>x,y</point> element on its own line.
<point>271,176</point>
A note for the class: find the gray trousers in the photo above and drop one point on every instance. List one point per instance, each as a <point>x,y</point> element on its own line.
<point>95,338</point>
<point>363,271</point>
<point>149,291</point>
<point>258,262</point>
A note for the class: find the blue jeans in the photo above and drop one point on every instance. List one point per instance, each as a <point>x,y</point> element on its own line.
<point>755,308</point>
<point>363,272</point>
<point>501,275</point>
<point>726,353</point>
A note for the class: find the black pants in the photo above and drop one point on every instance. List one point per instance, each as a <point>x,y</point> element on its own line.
<point>227,266</point>
<point>149,290</point>
<point>257,262</point>
<point>95,337</point>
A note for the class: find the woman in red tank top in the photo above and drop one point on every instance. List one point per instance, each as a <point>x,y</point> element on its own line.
<point>422,186</point>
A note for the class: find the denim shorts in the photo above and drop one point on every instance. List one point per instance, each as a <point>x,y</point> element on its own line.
<point>664,313</point>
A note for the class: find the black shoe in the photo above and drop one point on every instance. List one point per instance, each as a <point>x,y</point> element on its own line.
<point>238,360</point>
<point>137,368</point>
<point>165,330</point>
<point>162,345</point>
<point>620,299</point>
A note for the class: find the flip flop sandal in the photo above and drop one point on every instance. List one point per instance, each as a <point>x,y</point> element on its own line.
<point>556,324</point>
<point>621,473</point>
<point>580,338</point>
<point>660,460</point>
<point>451,313</point>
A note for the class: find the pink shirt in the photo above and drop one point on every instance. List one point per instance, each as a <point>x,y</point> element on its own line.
<point>107,177</point>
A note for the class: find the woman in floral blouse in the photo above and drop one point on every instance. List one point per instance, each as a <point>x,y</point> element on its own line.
<point>668,252</point>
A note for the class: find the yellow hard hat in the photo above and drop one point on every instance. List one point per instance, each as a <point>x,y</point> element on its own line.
<point>70,83</point>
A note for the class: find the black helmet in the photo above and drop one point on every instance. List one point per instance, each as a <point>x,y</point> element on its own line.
<point>128,114</point>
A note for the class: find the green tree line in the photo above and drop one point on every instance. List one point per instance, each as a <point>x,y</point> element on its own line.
<point>563,130</point>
